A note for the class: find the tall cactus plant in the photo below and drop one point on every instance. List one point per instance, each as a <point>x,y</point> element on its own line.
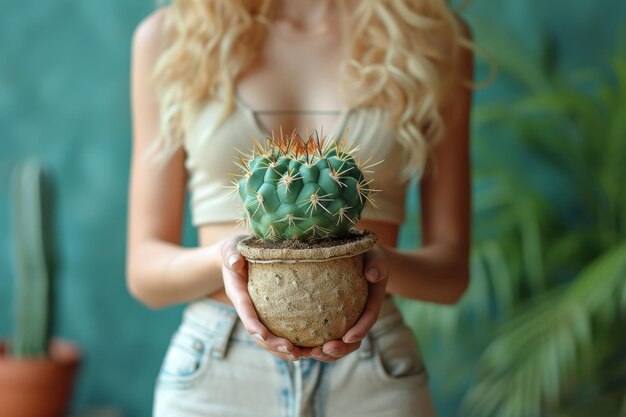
<point>34,258</point>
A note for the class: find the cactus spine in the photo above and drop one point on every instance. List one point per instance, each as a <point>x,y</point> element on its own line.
<point>306,190</point>
<point>34,260</point>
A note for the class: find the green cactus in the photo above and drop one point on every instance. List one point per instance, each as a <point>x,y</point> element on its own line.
<point>305,190</point>
<point>34,259</point>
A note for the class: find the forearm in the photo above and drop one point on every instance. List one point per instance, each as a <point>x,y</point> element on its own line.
<point>160,274</point>
<point>437,273</point>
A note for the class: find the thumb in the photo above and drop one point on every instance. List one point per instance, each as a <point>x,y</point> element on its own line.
<point>375,265</point>
<point>372,274</point>
<point>230,256</point>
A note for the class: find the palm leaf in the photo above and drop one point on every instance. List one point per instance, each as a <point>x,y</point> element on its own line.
<point>537,355</point>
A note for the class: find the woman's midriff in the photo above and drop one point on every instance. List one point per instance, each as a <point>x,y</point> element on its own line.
<point>386,232</point>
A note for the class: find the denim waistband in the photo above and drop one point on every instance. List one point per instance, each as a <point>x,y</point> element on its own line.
<point>221,322</point>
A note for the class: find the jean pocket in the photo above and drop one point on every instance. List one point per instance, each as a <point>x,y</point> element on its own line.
<point>186,359</point>
<point>397,356</point>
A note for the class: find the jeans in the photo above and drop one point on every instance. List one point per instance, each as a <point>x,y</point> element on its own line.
<point>213,367</point>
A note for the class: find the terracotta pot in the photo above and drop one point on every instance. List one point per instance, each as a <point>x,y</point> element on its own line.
<point>38,387</point>
<point>308,296</point>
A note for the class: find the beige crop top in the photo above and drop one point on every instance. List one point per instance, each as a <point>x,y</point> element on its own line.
<point>211,154</point>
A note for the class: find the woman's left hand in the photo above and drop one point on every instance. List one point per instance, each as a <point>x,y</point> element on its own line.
<point>377,274</point>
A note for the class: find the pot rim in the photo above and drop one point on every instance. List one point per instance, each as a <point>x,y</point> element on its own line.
<point>256,254</point>
<point>61,351</point>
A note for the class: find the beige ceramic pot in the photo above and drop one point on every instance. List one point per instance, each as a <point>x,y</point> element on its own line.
<point>308,296</point>
<point>38,387</point>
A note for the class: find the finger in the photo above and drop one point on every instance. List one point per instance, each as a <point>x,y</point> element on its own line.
<point>305,352</point>
<point>283,345</point>
<point>280,350</point>
<point>338,349</point>
<point>375,298</point>
<point>319,355</point>
<point>236,287</point>
<point>283,356</point>
<point>280,345</point>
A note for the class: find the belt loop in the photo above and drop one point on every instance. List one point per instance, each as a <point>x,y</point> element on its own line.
<point>367,349</point>
<point>224,330</point>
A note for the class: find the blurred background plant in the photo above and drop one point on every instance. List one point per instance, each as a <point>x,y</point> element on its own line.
<point>548,292</point>
<point>32,220</point>
<point>37,370</point>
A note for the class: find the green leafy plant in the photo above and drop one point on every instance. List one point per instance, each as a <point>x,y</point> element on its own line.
<point>552,355</point>
<point>548,290</point>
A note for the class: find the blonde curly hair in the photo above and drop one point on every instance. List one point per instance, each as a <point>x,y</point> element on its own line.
<point>405,51</point>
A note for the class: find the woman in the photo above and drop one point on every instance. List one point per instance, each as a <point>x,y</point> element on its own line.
<point>394,72</point>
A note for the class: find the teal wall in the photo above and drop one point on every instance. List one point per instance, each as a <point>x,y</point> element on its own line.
<point>64,96</point>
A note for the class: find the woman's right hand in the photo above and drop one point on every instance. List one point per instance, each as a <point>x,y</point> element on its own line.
<point>235,276</point>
